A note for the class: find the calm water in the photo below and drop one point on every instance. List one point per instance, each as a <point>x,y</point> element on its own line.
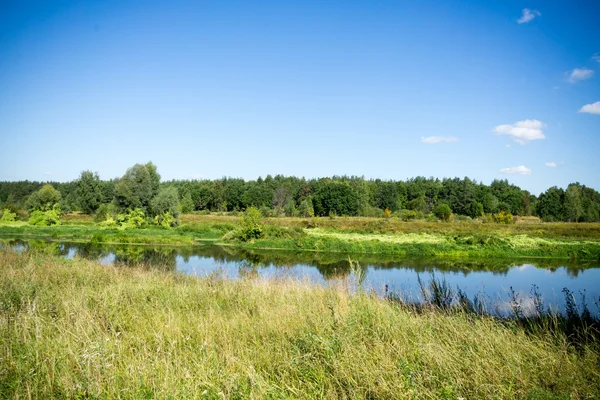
<point>493,278</point>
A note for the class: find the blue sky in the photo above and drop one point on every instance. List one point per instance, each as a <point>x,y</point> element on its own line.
<point>384,89</point>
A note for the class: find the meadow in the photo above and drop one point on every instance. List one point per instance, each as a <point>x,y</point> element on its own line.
<point>392,236</point>
<point>77,329</point>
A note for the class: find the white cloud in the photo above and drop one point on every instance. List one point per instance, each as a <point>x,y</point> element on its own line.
<point>596,57</point>
<point>528,15</point>
<point>580,74</point>
<point>522,131</point>
<point>48,173</point>
<point>551,164</point>
<point>438,139</point>
<point>593,108</point>
<point>520,170</point>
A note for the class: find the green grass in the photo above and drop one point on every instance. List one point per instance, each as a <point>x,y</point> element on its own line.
<point>182,235</point>
<point>74,329</point>
<point>474,245</point>
<point>351,235</point>
<point>365,225</point>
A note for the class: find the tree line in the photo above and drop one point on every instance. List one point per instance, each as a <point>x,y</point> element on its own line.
<point>141,188</point>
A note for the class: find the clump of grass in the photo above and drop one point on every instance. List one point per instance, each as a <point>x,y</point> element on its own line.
<point>74,328</point>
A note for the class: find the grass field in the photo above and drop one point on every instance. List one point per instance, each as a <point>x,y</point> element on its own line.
<point>76,329</point>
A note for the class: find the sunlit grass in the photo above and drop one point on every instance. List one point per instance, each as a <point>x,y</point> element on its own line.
<point>352,235</point>
<point>74,328</point>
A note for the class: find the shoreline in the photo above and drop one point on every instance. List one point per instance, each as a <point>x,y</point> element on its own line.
<point>461,244</point>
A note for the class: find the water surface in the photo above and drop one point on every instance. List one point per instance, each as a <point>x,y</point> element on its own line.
<point>491,278</point>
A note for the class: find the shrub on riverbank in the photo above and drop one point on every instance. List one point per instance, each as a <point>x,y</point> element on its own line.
<point>73,328</point>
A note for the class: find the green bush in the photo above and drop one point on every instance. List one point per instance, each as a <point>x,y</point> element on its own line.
<point>409,215</point>
<point>45,218</point>
<point>109,222</point>
<point>306,208</point>
<point>105,211</point>
<point>7,216</point>
<point>166,200</point>
<point>133,219</point>
<point>442,211</point>
<point>187,204</point>
<point>251,224</point>
<point>266,211</point>
<point>503,217</point>
<point>165,220</point>
<point>44,199</point>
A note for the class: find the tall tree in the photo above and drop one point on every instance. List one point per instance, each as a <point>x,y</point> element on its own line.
<point>88,192</point>
<point>336,198</point>
<point>550,204</point>
<point>44,199</point>
<point>572,207</point>
<point>137,187</point>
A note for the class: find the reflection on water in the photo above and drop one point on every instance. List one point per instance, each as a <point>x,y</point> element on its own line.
<point>493,277</point>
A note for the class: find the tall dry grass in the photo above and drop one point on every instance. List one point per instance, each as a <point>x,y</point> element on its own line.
<point>74,329</point>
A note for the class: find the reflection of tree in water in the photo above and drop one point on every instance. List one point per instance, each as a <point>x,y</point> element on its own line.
<point>163,258</point>
<point>89,251</point>
<point>330,265</point>
<point>335,270</point>
<point>37,246</point>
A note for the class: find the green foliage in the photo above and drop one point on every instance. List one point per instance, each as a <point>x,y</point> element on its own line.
<point>409,215</point>
<point>166,201</point>
<point>166,220</point>
<point>489,203</point>
<point>336,198</point>
<point>373,212</point>
<point>233,191</point>
<point>7,216</point>
<point>109,222</point>
<point>104,211</point>
<point>266,211</point>
<point>44,199</point>
<point>88,192</point>
<point>306,208</point>
<point>251,226</point>
<point>503,217</point>
<point>442,211</point>
<point>133,219</point>
<point>45,218</point>
<point>282,199</point>
<point>390,195</point>
<point>339,195</point>
<point>290,208</point>
<point>573,207</point>
<point>418,204</point>
<point>137,187</point>
<point>551,204</point>
<point>187,204</point>
<point>475,210</point>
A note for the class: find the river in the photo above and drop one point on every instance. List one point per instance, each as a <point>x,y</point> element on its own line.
<point>492,279</point>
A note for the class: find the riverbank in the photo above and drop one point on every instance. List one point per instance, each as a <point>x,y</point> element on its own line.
<point>351,235</point>
<point>75,328</point>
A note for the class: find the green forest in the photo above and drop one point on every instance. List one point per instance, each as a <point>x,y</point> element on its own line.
<point>141,188</point>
